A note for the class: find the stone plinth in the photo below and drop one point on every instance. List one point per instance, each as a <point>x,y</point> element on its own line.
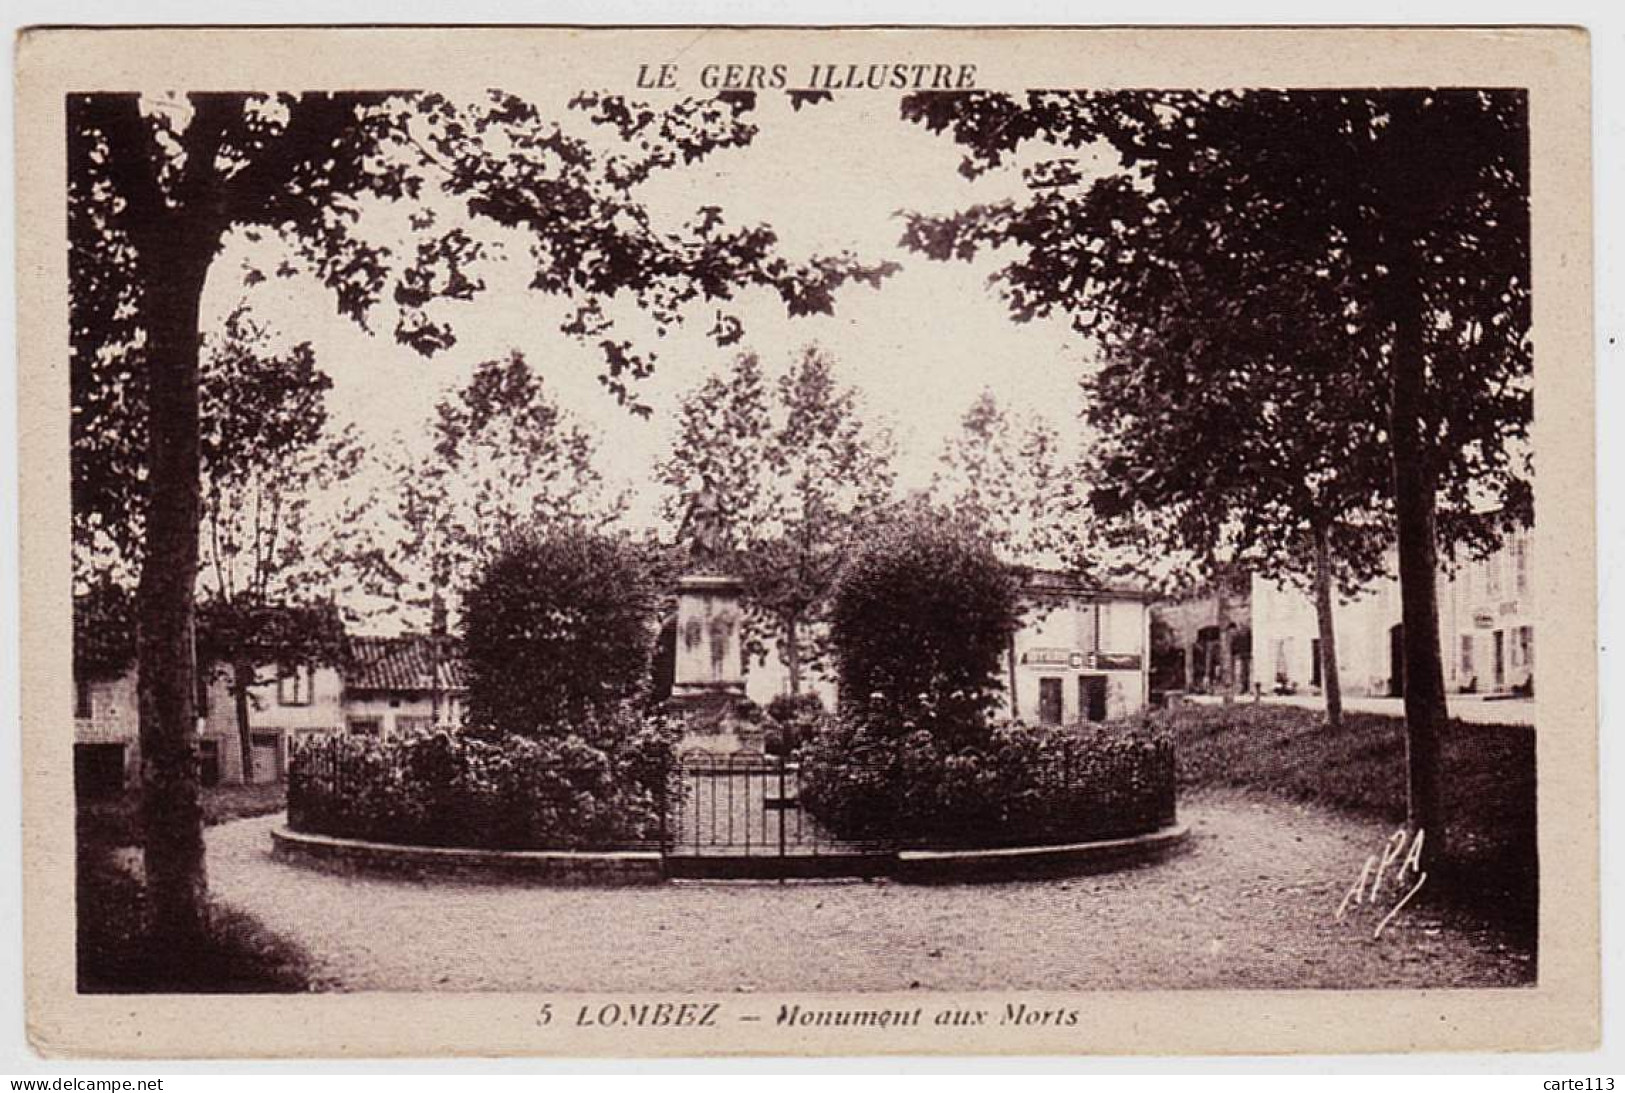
<point>709,679</point>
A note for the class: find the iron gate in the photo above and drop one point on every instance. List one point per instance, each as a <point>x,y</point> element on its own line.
<point>741,816</point>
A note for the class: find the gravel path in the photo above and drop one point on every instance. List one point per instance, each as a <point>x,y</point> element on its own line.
<point>1250,904</point>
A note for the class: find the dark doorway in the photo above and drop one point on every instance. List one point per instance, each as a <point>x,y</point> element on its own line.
<point>98,771</point>
<point>1049,701</point>
<point>209,762</point>
<point>1092,697</point>
<point>1500,659</point>
<point>1314,662</point>
<point>266,765</point>
<point>1396,660</point>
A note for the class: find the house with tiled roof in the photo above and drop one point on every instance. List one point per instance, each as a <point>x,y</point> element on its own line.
<point>381,687</point>
<point>401,684</point>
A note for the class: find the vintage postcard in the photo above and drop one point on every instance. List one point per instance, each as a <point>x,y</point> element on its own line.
<point>699,541</point>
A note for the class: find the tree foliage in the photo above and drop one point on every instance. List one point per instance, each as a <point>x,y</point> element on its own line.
<point>103,629</point>
<point>796,475</point>
<point>558,630</point>
<point>1233,259</point>
<point>158,184</point>
<point>921,623</point>
<point>504,459</point>
<point>1009,476</point>
<point>1366,252</point>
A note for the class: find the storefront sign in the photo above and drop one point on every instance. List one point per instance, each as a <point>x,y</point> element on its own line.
<point>1072,658</point>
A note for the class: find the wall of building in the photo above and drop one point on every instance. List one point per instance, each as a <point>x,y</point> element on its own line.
<point>1486,607</point>
<point>1191,625</point>
<point>1286,635</point>
<point>1067,642</point>
<point>283,711</point>
<point>1483,605</point>
<point>1061,629</point>
<point>113,717</point>
<point>397,714</point>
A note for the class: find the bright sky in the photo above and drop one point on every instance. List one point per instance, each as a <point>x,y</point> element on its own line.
<point>829,177</point>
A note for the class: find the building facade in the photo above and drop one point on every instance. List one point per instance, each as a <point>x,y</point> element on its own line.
<point>1081,652</point>
<point>384,687</point>
<point>1486,633</point>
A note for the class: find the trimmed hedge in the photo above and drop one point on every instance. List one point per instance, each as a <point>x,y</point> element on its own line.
<point>508,793</point>
<point>1025,785</point>
<point>920,625</point>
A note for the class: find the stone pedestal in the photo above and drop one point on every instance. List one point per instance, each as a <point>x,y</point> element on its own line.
<point>709,680</point>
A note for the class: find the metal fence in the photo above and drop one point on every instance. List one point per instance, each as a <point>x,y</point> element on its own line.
<point>395,795</point>
<point>744,815</point>
<point>744,806</point>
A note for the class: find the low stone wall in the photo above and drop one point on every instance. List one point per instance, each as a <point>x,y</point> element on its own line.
<point>643,867</point>
<point>551,867</point>
<point>1006,863</point>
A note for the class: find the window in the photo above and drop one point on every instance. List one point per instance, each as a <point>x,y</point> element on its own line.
<point>82,705</point>
<point>366,726</point>
<point>1492,575</point>
<point>1466,656</point>
<point>409,723</point>
<point>1520,564</point>
<point>1526,646</point>
<point>294,687</point>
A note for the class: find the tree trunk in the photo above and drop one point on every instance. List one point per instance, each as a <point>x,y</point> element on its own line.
<point>437,633</point>
<point>1329,676</point>
<point>1225,687</point>
<point>792,653</point>
<point>1010,653</point>
<point>173,272</point>
<point>1414,489</point>
<point>242,686</point>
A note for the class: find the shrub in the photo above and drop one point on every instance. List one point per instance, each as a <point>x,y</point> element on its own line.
<point>558,792</point>
<point>920,624</point>
<point>557,630</point>
<point>1023,785</point>
<point>791,722</point>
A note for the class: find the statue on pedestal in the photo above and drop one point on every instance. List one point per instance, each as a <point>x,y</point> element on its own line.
<point>708,674</point>
<point>704,527</point>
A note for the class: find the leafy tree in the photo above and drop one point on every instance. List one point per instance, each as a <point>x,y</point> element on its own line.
<point>1009,477</point>
<point>558,631</point>
<point>505,459</point>
<point>1401,215</point>
<point>796,476</point>
<point>921,623</point>
<point>158,185</point>
<point>1257,456</point>
<point>264,586</point>
<point>103,628</point>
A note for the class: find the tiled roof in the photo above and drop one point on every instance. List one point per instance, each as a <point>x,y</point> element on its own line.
<point>1058,582</point>
<point>403,663</point>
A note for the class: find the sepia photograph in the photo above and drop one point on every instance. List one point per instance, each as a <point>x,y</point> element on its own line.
<point>840,524</point>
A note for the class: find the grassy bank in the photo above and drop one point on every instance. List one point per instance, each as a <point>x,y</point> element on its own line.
<point>114,956</point>
<point>1487,854</point>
